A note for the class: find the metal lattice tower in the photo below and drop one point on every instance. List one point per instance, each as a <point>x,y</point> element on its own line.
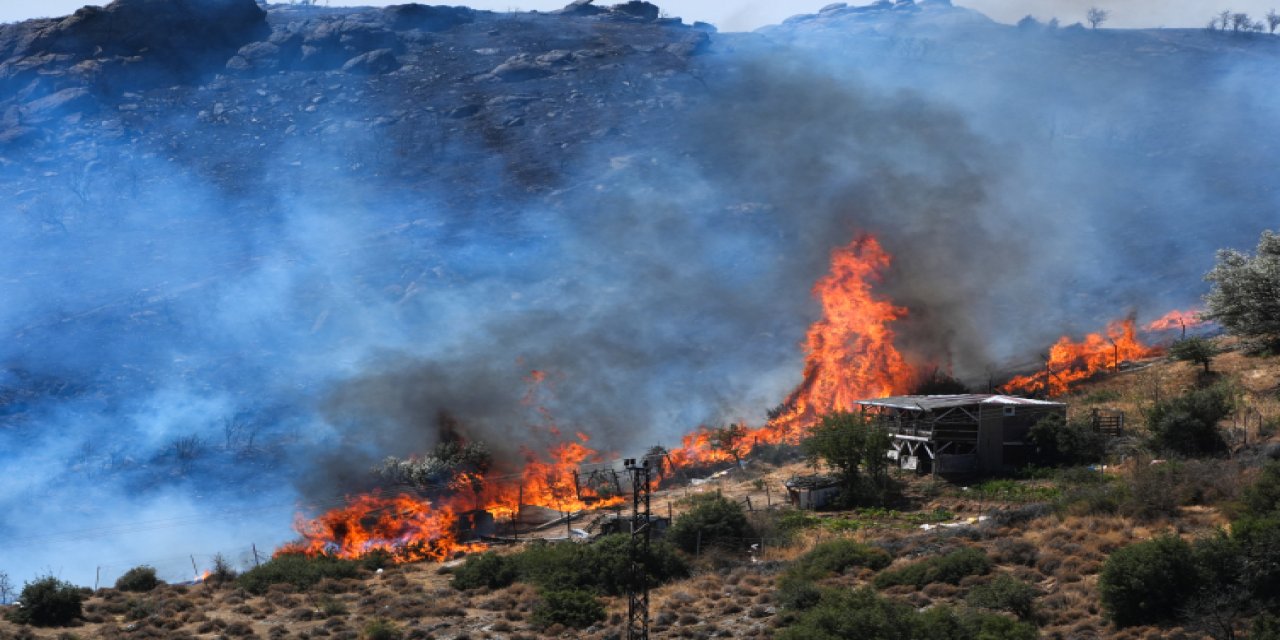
<point>638,585</point>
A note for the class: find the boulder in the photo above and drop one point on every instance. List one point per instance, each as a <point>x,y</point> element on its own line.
<point>646,11</point>
<point>581,8</point>
<point>520,68</point>
<point>373,63</point>
<point>58,104</point>
<point>404,17</point>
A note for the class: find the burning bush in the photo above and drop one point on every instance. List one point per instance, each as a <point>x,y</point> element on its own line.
<point>48,602</point>
<point>713,520</point>
<point>138,579</point>
<point>298,570</point>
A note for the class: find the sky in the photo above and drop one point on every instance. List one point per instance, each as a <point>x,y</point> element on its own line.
<point>745,15</point>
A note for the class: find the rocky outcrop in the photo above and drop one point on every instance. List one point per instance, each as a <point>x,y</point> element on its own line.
<point>416,16</point>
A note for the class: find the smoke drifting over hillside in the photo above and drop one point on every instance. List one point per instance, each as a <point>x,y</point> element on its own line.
<point>210,311</point>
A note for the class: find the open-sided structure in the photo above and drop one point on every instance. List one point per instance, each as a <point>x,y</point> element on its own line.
<point>970,433</point>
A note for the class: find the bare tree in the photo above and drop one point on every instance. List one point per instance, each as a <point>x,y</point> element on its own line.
<point>1097,16</point>
<point>1224,19</point>
<point>1273,21</point>
<point>1241,22</point>
<point>7,590</point>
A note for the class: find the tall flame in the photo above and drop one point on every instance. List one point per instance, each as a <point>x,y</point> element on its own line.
<point>1070,362</point>
<point>849,355</point>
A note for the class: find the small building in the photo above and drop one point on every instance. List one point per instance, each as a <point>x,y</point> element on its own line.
<point>958,434</point>
<point>474,525</point>
<point>811,492</point>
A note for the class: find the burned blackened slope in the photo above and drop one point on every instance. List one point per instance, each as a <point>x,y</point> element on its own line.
<point>126,45</point>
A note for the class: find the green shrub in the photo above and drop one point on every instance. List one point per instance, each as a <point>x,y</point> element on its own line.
<point>797,591</point>
<point>862,614</point>
<point>1148,582</point>
<point>572,608</point>
<point>297,569</point>
<point>379,629</point>
<point>712,521</point>
<point>48,602</point>
<point>1188,424</point>
<point>222,571</point>
<point>1004,593</point>
<point>1262,498</point>
<point>950,569</point>
<point>603,566</point>
<point>834,556</point>
<point>1059,442</point>
<point>138,579</point>
<point>485,570</point>
<point>1265,627</point>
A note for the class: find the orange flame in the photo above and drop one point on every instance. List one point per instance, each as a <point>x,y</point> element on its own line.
<point>849,355</point>
<point>1176,320</point>
<point>1070,362</point>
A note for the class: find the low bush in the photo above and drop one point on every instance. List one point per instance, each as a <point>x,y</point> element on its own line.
<point>863,614</point>
<point>712,521</point>
<point>296,569</point>
<point>1004,593</point>
<point>379,629</point>
<point>485,570</point>
<point>1188,424</point>
<point>138,579</point>
<point>603,566</point>
<point>1148,582</point>
<point>950,568</point>
<point>1060,442</point>
<point>572,608</point>
<point>48,602</point>
<point>835,556</point>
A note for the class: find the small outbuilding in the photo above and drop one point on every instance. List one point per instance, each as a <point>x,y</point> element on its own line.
<point>811,492</point>
<point>957,434</point>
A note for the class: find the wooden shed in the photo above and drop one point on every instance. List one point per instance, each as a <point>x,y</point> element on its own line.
<point>812,492</point>
<point>956,434</point>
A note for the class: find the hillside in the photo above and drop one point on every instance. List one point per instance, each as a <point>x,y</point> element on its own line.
<point>1052,531</point>
<point>250,252</point>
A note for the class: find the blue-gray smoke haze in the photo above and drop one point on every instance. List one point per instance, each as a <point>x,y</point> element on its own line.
<point>191,357</point>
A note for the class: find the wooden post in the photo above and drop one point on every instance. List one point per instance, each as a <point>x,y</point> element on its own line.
<point>577,488</point>
<point>194,568</point>
<point>768,496</point>
<point>749,507</point>
<point>697,549</point>
<point>96,575</point>
<point>255,554</point>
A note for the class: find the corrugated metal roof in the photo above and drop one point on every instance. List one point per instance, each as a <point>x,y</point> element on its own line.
<point>930,403</point>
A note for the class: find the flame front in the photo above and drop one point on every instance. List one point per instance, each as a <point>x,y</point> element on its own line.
<point>849,355</point>
<point>408,528</point>
<point>1176,320</point>
<point>1070,361</point>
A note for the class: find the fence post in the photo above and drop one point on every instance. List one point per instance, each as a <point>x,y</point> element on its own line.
<point>697,549</point>
<point>194,569</point>
<point>255,554</point>
<point>96,575</point>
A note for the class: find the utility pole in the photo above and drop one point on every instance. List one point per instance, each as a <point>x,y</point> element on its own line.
<point>638,585</point>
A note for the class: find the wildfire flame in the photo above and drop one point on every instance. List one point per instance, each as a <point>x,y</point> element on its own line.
<point>849,355</point>
<point>1176,320</point>
<point>1070,362</point>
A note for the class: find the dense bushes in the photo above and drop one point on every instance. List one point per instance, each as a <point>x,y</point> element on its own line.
<point>571,607</point>
<point>863,614</point>
<point>138,579</point>
<point>1004,593</point>
<point>298,570</point>
<point>1188,424</point>
<point>712,520</point>
<point>1059,442</point>
<point>46,602</point>
<point>797,589</point>
<point>855,447</point>
<point>950,568</point>
<point>1243,295</point>
<point>603,566</point>
<point>1148,582</point>
<point>485,570</point>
